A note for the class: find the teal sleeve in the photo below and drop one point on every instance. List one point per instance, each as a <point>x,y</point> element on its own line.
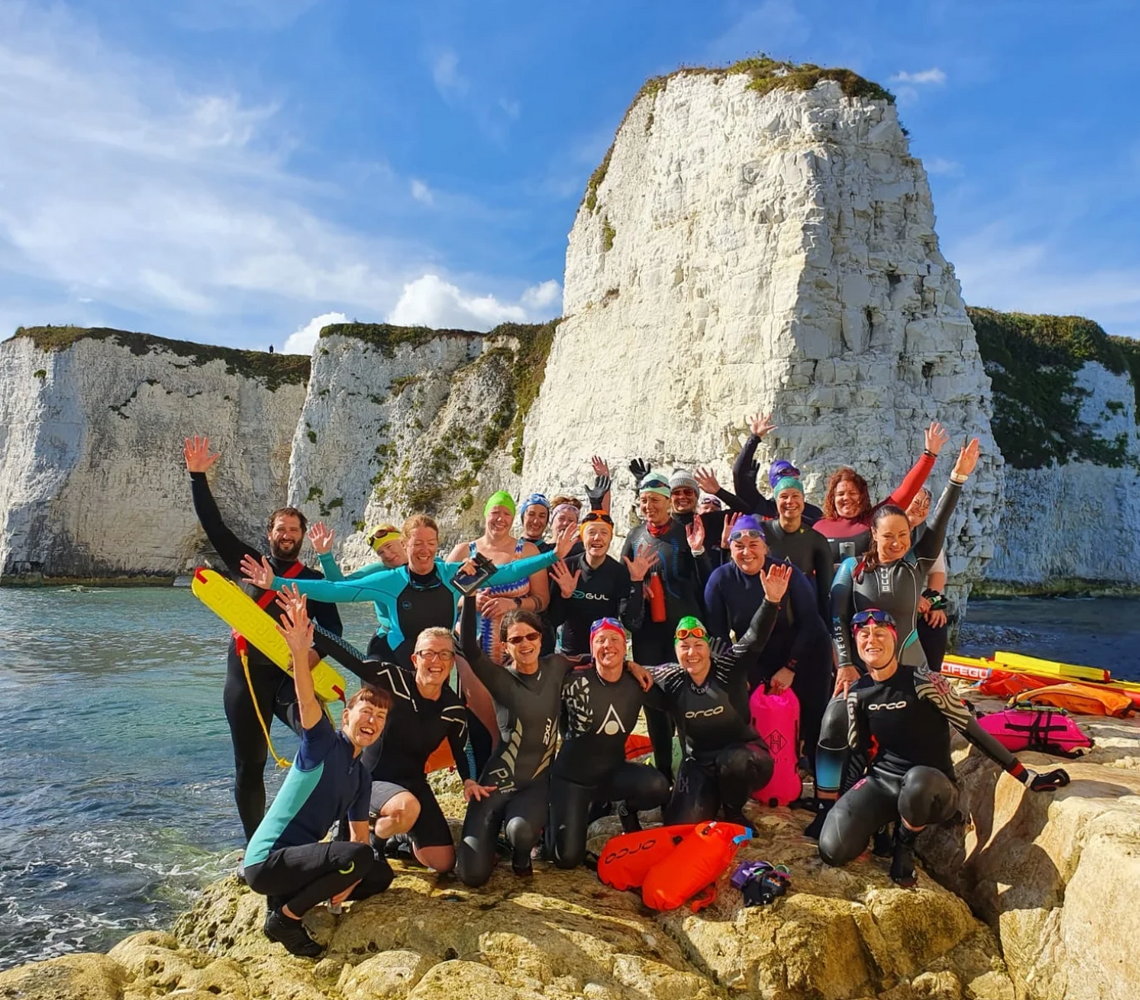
<point>336,591</point>
<point>359,574</point>
<point>520,569</point>
<point>329,567</point>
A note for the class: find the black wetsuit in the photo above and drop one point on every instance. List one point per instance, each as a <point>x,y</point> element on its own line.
<point>605,592</point>
<point>799,639</point>
<point>748,498</point>
<point>416,726</point>
<point>726,760</point>
<point>653,641</point>
<point>423,603</point>
<point>528,707</point>
<point>898,740</point>
<point>809,552</point>
<point>597,717</point>
<point>271,686</point>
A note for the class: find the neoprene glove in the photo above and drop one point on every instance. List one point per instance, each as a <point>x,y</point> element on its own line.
<point>640,469</point>
<point>600,489</point>
<point>1048,782</point>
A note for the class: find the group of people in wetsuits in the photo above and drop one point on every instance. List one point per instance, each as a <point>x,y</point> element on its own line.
<point>715,596</point>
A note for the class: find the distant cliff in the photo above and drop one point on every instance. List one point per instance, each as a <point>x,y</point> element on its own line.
<point>92,482</point>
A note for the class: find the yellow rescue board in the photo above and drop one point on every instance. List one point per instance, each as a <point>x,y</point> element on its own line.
<point>240,611</point>
<point>1052,668</point>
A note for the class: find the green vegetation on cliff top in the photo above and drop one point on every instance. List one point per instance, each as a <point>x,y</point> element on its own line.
<point>274,369</point>
<point>766,74</point>
<point>1033,362</point>
<point>388,337</point>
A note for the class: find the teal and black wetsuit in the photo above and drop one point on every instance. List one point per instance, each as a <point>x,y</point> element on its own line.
<point>411,602</point>
<point>285,859</point>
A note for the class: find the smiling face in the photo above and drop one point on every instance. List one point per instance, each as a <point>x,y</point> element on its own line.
<point>608,649</point>
<point>849,499</point>
<point>363,723</point>
<point>891,537</point>
<point>693,654</point>
<point>523,645</point>
<point>749,554</point>
<point>393,553</point>
<point>422,546</point>
<point>790,505</point>
<point>596,537</point>
<point>918,509</point>
<point>684,498</point>
<point>286,536</point>
<point>566,517</point>
<point>534,520</point>
<point>433,659</point>
<point>653,507</point>
<point>876,645</point>
<point>498,522</point>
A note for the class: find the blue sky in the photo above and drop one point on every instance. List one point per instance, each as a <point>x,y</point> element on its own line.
<point>235,171</point>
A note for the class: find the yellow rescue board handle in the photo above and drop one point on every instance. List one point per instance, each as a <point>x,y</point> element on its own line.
<point>240,611</point>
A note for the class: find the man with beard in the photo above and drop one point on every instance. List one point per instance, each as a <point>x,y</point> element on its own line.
<point>256,689</point>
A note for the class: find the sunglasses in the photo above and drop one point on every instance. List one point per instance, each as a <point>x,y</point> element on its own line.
<point>745,533</point>
<point>876,615</point>
<point>595,515</point>
<point>690,633</point>
<point>518,640</point>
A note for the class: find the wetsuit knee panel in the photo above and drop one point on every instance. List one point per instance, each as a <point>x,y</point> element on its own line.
<point>833,728</point>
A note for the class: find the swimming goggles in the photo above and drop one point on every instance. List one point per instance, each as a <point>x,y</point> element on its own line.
<point>597,515</point>
<point>603,624</point>
<point>699,632</point>
<point>745,533</point>
<point>876,615</point>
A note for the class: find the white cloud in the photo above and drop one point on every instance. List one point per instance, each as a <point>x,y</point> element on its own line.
<point>941,165</point>
<point>450,83</point>
<point>422,193</point>
<point>923,76</point>
<point>512,109</point>
<point>432,301</point>
<point>303,340</point>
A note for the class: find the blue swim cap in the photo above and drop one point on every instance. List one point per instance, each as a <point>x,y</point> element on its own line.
<point>534,500</point>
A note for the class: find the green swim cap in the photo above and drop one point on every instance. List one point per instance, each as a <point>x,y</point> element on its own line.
<point>787,483</point>
<point>500,499</point>
<point>691,625</point>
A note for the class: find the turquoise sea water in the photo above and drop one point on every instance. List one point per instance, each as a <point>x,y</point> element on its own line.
<point>115,759</point>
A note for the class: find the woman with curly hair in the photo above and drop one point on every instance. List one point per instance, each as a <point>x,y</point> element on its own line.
<point>847,509</point>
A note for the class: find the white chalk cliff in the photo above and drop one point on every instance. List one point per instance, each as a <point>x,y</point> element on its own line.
<point>92,482</point>
<point>747,252</point>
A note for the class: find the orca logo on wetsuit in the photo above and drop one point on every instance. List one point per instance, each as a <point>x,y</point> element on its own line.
<point>887,706</point>
<point>704,713</point>
<point>611,724</point>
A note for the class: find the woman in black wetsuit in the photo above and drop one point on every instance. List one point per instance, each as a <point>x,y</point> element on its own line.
<point>898,738</point>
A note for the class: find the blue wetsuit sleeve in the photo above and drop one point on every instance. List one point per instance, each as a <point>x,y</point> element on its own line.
<point>716,608</point>
<point>520,569</point>
<point>315,744</point>
<point>329,567</point>
<point>930,544</point>
<point>359,574</point>
<point>842,609</point>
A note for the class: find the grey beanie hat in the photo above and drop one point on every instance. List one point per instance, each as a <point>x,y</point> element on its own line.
<point>682,477</point>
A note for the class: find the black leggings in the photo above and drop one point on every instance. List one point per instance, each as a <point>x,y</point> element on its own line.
<point>638,786</point>
<point>275,697</point>
<point>727,778</point>
<point>652,645</point>
<point>933,642</point>
<point>522,810</point>
<point>925,795</point>
<point>302,877</point>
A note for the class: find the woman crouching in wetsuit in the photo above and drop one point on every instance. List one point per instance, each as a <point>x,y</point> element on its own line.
<point>725,760</point>
<point>899,721</point>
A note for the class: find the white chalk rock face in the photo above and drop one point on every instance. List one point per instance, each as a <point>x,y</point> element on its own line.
<point>92,480</point>
<point>399,421</point>
<point>1078,523</point>
<point>752,253</point>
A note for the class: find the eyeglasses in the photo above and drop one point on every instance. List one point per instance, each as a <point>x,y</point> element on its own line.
<point>431,655</point>
<point>597,515</point>
<point>745,533</point>
<point>690,633</point>
<point>516,640</point>
<point>876,615</point>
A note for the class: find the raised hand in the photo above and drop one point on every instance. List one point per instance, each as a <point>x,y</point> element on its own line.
<point>775,581</point>
<point>598,491</point>
<point>695,532</point>
<point>644,559</point>
<point>639,674</point>
<point>567,581</point>
<point>565,540</point>
<point>761,425</point>
<point>600,465</point>
<point>967,460</point>
<point>728,524</point>
<point>640,469</point>
<point>196,451</point>
<point>321,537</point>
<point>706,480</point>
<point>295,624</point>
<point>936,437</point>
<point>259,573</point>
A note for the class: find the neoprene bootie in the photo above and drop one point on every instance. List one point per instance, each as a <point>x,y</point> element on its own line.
<point>629,821</point>
<point>291,934</point>
<point>815,827</point>
<point>902,864</point>
<point>883,843</point>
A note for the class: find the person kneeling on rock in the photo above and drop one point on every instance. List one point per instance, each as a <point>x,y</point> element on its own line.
<point>285,860</point>
<point>898,721</point>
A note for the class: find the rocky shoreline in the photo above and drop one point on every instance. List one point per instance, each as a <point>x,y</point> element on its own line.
<point>1030,900</point>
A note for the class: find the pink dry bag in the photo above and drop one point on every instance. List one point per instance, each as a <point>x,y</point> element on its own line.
<point>776,717</point>
<point>1048,730</point>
